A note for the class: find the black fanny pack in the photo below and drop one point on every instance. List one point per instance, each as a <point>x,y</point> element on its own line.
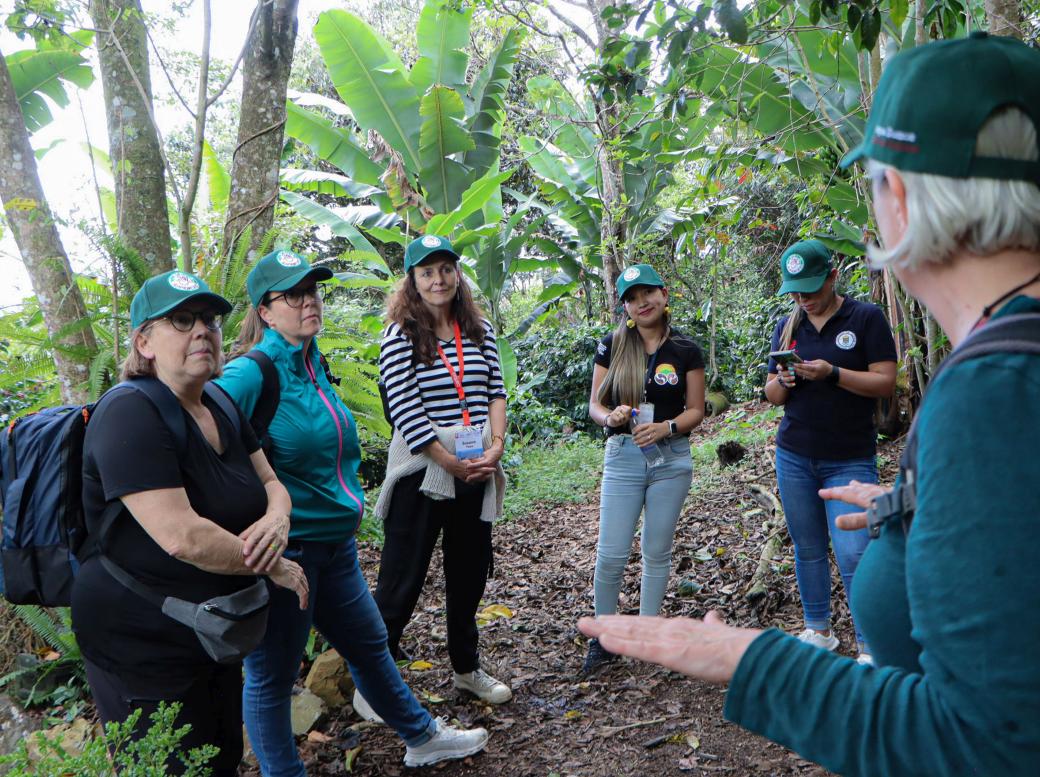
<point>228,627</point>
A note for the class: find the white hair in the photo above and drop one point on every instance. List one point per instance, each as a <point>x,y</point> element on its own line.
<point>978,215</point>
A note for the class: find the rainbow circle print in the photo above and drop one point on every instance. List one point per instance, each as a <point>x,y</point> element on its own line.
<point>666,374</point>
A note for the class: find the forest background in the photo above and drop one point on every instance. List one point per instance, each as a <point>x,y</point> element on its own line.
<point>553,142</point>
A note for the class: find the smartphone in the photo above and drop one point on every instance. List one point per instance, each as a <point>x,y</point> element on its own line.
<point>785,357</point>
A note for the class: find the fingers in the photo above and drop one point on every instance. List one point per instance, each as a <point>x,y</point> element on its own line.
<point>851,521</point>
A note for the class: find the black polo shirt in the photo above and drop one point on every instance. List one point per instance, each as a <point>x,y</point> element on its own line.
<point>665,375</point>
<point>822,420</point>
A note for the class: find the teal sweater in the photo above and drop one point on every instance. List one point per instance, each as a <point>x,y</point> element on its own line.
<point>952,611</point>
<point>316,450</point>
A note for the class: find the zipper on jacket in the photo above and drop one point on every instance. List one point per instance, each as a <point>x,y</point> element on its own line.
<point>339,434</point>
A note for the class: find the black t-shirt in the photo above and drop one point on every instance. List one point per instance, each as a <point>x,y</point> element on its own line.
<point>665,374</point>
<point>128,449</point>
<point>822,420</point>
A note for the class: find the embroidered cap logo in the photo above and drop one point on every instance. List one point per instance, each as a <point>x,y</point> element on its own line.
<point>183,282</point>
<point>795,264</point>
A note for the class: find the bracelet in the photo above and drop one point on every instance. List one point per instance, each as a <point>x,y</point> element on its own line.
<point>498,437</point>
<point>835,374</point>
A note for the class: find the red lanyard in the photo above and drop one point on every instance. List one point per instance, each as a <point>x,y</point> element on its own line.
<point>456,377</point>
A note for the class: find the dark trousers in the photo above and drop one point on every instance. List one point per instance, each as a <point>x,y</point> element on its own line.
<point>412,526</point>
<point>211,703</point>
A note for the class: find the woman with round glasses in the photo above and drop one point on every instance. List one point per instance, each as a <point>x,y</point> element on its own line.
<point>948,592</point>
<point>315,453</point>
<point>191,522</point>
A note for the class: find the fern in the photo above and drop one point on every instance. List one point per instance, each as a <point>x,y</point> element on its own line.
<point>55,630</point>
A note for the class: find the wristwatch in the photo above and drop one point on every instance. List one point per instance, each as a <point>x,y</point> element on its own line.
<point>673,428</point>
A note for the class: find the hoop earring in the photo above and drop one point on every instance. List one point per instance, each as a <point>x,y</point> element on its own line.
<point>630,324</point>
<point>667,310</point>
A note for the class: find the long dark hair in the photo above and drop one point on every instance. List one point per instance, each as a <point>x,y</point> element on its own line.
<point>406,309</point>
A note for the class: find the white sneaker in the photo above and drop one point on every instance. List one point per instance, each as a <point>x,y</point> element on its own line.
<point>364,709</point>
<point>817,639</point>
<point>484,686</point>
<point>445,744</point>
<point>866,659</point>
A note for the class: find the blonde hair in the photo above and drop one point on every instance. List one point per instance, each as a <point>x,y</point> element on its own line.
<point>625,381</point>
<point>136,365</point>
<point>250,333</point>
<point>979,215</point>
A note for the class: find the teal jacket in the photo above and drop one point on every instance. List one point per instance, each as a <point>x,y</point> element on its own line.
<point>951,611</point>
<point>316,449</point>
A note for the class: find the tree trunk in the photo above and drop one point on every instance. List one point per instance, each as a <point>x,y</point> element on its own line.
<point>137,163</point>
<point>265,79</point>
<point>614,220</point>
<point>1005,17</point>
<point>34,231</point>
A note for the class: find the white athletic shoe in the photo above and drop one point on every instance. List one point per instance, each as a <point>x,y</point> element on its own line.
<point>484,686</point>
<point>814,637</point>
<point>362,708</point>
<point>447,743</point>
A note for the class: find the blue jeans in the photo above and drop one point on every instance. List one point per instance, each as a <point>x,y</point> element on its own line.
<point>810,520</point>
<point>629,486</point>
<point>342,609</point>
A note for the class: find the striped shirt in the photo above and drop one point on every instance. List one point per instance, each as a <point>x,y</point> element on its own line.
<point>421,395</point>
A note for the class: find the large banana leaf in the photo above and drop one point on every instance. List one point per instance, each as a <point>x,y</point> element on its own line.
<point>442,35</point>
<point>325,183</point>
<point>37,73</point>
<point>486,103</point>
<point>554,164</point>
<point>322,216</point>
<point>371,80</point>
<point>335,145</point>
<point>443,135</point>
<point>474,198</point>
<point>218,180</point>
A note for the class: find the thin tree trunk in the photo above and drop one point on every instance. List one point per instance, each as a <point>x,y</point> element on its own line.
<point>614,220</point>
<point>201,109</point>
<point>137,162</point>
<point>32,224</point>
<point>265,79</point>
<point>1005,17</point>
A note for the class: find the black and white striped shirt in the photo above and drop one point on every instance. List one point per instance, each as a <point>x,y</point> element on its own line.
<point>422,395</point>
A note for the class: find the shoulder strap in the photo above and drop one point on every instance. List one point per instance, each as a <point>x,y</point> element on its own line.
<point>164,401</point>
<point>226,405</point>
<point>332,379</point>
<point>1018,333</point>
<point>270,392</point>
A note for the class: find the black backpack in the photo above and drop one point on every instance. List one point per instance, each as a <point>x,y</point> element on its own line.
<point>45,533</point>
<point>1019,333</point>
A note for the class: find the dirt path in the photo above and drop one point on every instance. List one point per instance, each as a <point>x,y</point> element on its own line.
<point>632,718</point>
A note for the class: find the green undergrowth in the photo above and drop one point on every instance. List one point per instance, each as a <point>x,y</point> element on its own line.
<point>550,474</point>
<point>740,426</point>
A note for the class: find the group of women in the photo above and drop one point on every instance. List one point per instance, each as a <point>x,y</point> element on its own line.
<point>944,606</point>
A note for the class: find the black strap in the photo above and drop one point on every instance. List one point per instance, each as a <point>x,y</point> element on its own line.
<point>1019,333</point>
<point>332,379</point>
<point>270,395</point>
<point>128,581</point>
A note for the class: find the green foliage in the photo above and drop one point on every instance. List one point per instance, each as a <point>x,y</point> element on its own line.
<point>738,426</point>
<point>116,752</point>
<point>60,680</point>
<point>547,475</point>
<point>44,72</point>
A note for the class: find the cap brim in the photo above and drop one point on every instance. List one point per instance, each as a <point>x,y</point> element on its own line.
<point>853,156</point>
<point>802,285</point>
<point>440,253</point>
<point>317,273</point>
<point>222,305</point>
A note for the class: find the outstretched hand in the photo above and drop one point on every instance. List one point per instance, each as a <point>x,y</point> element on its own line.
<point>708,650</point>
<point>855,493</point>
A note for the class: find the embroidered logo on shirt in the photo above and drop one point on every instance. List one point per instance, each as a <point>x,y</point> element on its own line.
<point>795,264</point>
<point>183,282</point>
<point>601,349</point>
<point>665,373</point>
<point>846,340</point>
<point>286,259</point>
<point>431,241</point>
<point>630,274</point>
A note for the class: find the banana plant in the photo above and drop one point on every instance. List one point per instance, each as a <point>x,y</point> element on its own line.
<point>44,71</point>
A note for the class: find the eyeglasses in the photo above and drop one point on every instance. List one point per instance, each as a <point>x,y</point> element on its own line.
<point>294,298</point>
<point>184,320</point>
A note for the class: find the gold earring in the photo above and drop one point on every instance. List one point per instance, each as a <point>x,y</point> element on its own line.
<point>667,310</point>
<point>630,324</point>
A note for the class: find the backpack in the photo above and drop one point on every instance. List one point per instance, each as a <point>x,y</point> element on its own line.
<point>1019,333</point>
<point>45,534</point>
<point>271,394</point>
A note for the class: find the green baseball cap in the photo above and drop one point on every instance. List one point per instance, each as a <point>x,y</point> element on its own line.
<point>804,267</point>
<point>162,293</point>
<point>637,275</point>
<point>932,101</point>
<point>422,248</point>
<point>280,271</point>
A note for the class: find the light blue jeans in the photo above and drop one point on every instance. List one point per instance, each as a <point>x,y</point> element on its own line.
<point>631,487</point>
<point>810,520</point>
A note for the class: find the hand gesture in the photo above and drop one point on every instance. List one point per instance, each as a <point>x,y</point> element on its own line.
<point>289,574</point>
<point>708,650</point>
<point>619,416</point>
<point>648,434</point>
<point>785,374</point>
<point>483,468</point>
<point>265,542</point>
<point>817,369</point>
<point>855,493</point>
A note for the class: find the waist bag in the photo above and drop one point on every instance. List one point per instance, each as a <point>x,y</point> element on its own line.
<point>228,627</point>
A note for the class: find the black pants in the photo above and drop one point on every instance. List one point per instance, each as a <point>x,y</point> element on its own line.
<point>211,703</point>
<point>410,533</point>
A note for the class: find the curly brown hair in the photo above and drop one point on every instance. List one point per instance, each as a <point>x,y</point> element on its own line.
<point>406,309</point>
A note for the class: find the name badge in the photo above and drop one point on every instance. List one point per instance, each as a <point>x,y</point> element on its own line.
<point>468,443</point>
